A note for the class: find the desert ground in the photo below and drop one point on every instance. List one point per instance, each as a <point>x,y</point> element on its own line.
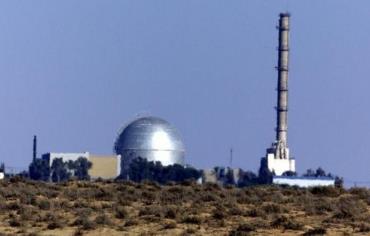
<point>127,208</point>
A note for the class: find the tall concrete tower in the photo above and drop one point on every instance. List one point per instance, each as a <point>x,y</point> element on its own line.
<point>278,158</point>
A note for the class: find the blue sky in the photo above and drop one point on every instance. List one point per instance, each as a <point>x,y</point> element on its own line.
<point>73,72</point>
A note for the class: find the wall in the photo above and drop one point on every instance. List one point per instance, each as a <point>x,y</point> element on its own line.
<point>106,167</point>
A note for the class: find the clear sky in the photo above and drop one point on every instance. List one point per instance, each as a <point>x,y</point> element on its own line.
<point>73,72</point>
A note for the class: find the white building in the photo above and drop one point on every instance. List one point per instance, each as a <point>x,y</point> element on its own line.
<point>303,182</point>
<point>278,164</point>
<point>103,166</point>
<point>65,156</point>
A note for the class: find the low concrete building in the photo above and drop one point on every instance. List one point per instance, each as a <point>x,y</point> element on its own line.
<point>303,182</point>
<point>103,166</point>
<point>277,165</point>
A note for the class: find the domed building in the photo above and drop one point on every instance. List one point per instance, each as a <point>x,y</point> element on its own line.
<point>151,138</point>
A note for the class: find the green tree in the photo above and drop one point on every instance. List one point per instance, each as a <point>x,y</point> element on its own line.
<point>39,169</point>
<point>247,178</point>
<point>140,169</point>
<point>229,177</point>
<point>81,168</point>
<point>59,171</point>
<point>289,173</point>
<point>309,173</point>
<point>264,174</point>
<point>320,172</point>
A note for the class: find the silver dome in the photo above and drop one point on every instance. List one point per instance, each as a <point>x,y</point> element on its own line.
<point>151,138</point>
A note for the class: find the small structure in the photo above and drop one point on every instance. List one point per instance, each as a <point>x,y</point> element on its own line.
<point>221,175</point>
<point>303,182</point>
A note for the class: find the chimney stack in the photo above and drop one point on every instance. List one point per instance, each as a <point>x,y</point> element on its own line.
<point>277,157</point>
<point>283,68</point>
<point>34,147</point>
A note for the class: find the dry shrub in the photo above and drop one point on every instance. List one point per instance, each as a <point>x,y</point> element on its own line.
<point>83,212</point>
<point>131,222</point>
<point>106,205</point>
<point>272,208</point>
<point>244,198</point>
<point>213,187</point>
<point>28,214</point>
<point>13,206</point>
<point>123,201</point>
<point>219,213</point>
<point>189,231</point>
<point>44,204</point>
<point>192,219</point>
<point>326,191</point>
<point>103,219</point>
<point>151,218</point>
<point>363,227</point>
<point>78,232</point>
<point>243,229</point>
<point>286,223</point>
<point>171,211</point>
<point>28,199</point>
<point>148,196</point>
<point>317,206</point>
<point>71,194</point>
<point>315,232</point>
<point>151,210</point>
<point>64,204</point>
<point>15,222</point>
<point>173,194</point>
<point>169,224</point>
<point>208,197</point>
<point>362,193</point>
<point>349,208</point>
<point>84,222</point>
<point>56,223</point>
<point>121,212</point>
<point>235,211</point>
<point>255,212</point>
<point>81,204</point>
<point>102,194</point>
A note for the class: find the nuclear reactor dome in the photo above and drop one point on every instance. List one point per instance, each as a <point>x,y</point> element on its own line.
<point>151,138</point>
